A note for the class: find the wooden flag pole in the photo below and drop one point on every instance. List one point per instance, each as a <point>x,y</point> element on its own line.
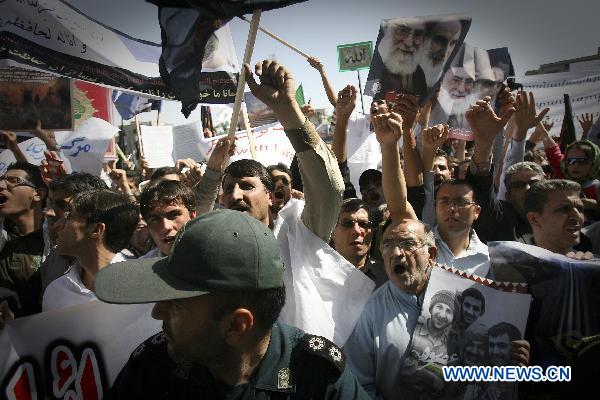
<point>242,81</point>
<point>139,136</point>
<point>248,132</point>
<point>280,40</point>
<point>362,102</point>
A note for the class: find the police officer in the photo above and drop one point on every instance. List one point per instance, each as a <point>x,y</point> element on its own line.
<point>219,295</point>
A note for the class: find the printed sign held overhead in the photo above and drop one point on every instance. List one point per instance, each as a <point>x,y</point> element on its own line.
<point>355,56</point>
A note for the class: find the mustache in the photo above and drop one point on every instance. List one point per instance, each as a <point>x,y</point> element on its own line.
<point>240,206</point>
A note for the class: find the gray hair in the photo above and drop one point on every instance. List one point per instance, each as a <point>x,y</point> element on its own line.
<point>429,237</point>
<point>537,195</point>
<point>522,166</point>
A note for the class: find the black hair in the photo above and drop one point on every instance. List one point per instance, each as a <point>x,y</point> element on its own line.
<point>279,167</point>
<point>505,327</point>
<point>474,293</point>
<point>457,182</point>
<point>33,172</point>
<point>250,168</point>
<point>353,205</point>
<point>368,175</point>
<point>264,304</point>
<point>77,182</point>
<point>162,171</point>
<point>166,192</point>
<point>537,195</point>
<point>114,210</point>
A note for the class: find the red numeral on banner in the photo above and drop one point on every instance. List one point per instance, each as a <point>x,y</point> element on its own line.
<point>22,384</point>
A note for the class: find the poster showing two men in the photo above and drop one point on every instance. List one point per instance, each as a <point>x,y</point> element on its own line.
<point>475,73</point>
<point>413,53</point>
<point>463,323</point>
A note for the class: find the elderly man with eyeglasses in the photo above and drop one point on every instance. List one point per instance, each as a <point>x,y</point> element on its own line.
<point>22,196</point>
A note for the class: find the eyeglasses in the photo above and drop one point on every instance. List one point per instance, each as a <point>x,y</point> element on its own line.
<point>14,181</point>
<point>349,224</point>
<point>459,203</point>
<point>408,247</point>
<point>578,160</point>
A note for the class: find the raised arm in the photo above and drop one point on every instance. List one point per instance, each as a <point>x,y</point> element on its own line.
<point>408,109</point>
<point>388,129</point>
<point>586,121</point>
<point>432,138</point>
<point>346,101</point>
<point>323,182</point>
<point>329,90</point>
<point>10,140</point>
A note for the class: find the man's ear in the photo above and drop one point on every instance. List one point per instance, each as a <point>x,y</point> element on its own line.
<point>477,211</point>
<point>236,326</point>
<point>432,253</point>
<point>97,230</point>
<point>533,218</point>
<point>40,194</point>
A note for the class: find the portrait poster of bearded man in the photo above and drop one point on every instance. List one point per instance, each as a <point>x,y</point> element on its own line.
<point>412,54</point>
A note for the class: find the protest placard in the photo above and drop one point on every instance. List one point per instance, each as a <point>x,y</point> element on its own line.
<point>270,143</point>
<point>79,354</point>
<point>462,322</point>
<point>164,145</point>
<point>259,113</point>
<point>355,56</point>
<point>27,96</point>
<point>411,58</point>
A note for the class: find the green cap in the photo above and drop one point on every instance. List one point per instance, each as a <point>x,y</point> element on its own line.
<point>219,251</point>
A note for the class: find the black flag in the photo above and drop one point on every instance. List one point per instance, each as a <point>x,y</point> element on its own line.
<point>186,27</point>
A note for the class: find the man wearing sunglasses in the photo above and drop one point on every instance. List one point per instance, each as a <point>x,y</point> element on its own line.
<point>352,238</point>
<point>22,195</point>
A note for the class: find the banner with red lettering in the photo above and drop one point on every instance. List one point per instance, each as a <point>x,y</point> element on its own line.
<point>270,142</point>
<point>71,353</point>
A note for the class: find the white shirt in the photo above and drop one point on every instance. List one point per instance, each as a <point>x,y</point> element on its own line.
<point>474,260</point>
<point>69,290</point>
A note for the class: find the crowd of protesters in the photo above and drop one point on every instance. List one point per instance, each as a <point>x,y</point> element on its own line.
<point>434,201</point>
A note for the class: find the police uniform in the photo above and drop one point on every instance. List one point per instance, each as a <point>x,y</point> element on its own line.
<point>296,366</point>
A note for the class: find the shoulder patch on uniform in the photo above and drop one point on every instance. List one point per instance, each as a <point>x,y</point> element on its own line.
<point>148,345</point>
<point>324,349</point>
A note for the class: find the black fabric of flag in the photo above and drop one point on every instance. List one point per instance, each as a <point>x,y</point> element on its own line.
<point>186,27</point>
<point>567,132</point>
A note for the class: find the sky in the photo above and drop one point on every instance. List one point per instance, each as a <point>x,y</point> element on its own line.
<point>535,31</point>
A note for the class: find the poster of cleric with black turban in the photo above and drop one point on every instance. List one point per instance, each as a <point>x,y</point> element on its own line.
<point>462,322</point>
<point>412,54</point>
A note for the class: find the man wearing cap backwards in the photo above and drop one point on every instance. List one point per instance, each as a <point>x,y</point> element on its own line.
<point>219,308</point>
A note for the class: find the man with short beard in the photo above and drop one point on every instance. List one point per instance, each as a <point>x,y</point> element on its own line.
<point>401,50</point>
<point>440,39</point>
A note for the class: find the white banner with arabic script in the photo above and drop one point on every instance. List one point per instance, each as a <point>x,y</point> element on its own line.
<point>583,87</point>
<point>79,354</point>
<point>270,142</point>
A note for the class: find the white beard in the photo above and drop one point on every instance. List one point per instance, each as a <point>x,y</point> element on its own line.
<point>395,60</point>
